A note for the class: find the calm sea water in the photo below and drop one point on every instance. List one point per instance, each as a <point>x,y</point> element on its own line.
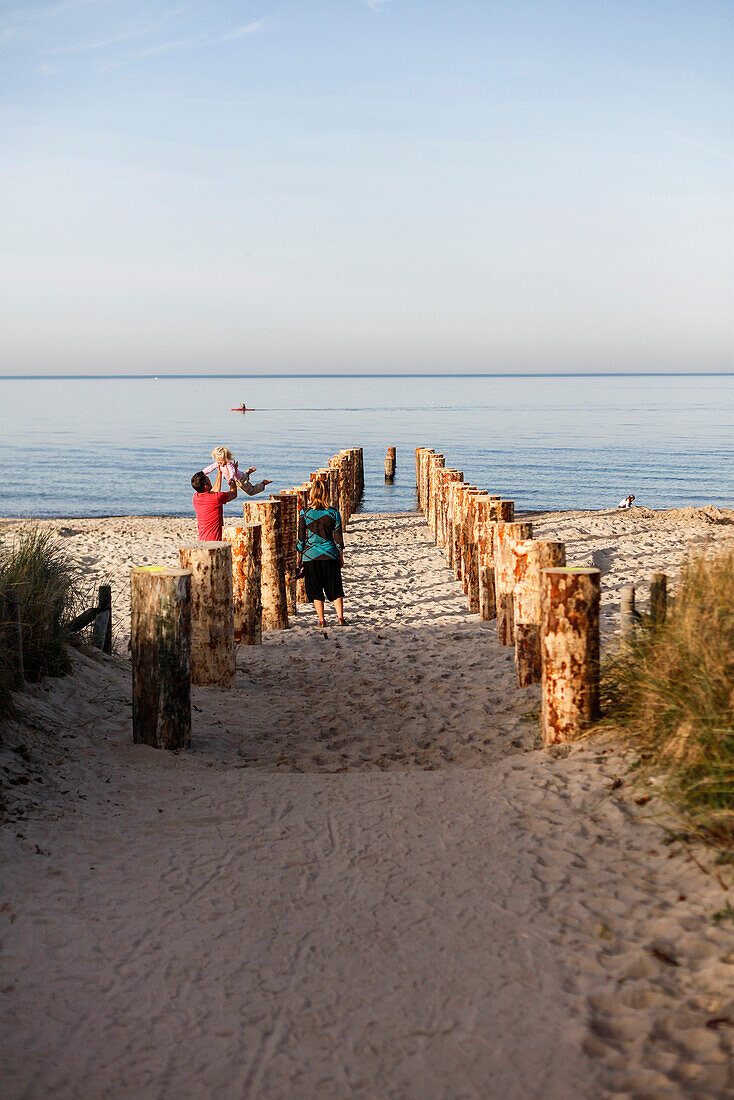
<point>111,446</point>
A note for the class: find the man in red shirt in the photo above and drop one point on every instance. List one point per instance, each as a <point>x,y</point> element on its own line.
<point>208,506</point>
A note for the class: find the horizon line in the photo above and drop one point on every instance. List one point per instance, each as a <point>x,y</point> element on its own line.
<point>380,374</point>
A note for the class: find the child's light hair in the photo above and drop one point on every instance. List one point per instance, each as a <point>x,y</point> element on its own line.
<point>222,455</point>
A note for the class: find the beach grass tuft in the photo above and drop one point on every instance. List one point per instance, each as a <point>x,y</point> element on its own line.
<point>49,587</point>
<point>670,690</point>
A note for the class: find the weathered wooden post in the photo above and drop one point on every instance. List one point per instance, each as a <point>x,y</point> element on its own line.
<point>481,590</point>
<point>102,628</point>
<point>627,613</point>
<point>392,453</point>
<point>426,453</point>
<point>12,620</point>
<point>360,471</point>
<point>436,462</point>
<point>503,511</point>
<point>212,612</point>
<point>505,537</point>
<point>569,638</point>
<point>246,542</point>
<point>446,477</point>
<point>531,558</point>
<point>470,564</point>
<point>658,599</point>
<point>160,641</point>
<point>389,465</point>
<point>458,525</point>
<point>274,601</point>
<point>451,512</point>
<point>289,534</point>
<point>467,520</point>
<point>303,492</point>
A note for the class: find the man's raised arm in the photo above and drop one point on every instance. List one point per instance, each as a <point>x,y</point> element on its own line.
<point>232,491</point>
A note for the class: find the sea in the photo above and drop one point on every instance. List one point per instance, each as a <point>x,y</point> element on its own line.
<point>96,446</point>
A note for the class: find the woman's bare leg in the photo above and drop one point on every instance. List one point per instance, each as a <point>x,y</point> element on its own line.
<point>318,606</point>
<point>339,607</point>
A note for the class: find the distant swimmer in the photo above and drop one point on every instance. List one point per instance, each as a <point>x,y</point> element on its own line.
<point>627,502</point>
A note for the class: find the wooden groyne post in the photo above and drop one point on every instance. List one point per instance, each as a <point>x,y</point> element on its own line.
<point>570,651</point>
<point>531,558</point>
<point>302,492</point>
<point>390,463</point>
<point>212,612</point>
<point>160,640</point>
<point>505,537</point>
<point>289,532</point>
<point>274,601</point>
<point>482,597</point>
<point>245,540</point>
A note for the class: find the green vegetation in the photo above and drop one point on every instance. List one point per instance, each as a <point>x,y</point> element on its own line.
<point>48,585</point>
<point>670,689</point>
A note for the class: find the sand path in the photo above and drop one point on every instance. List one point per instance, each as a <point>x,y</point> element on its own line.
<point>363,881</point>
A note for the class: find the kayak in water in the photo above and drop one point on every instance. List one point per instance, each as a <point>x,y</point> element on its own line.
<point>242,409</point>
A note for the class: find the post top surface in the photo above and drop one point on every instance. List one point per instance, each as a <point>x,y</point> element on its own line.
<point>573,570</point>
<point>202,544</point>
<point>238,527</point>
<point>161,570</point>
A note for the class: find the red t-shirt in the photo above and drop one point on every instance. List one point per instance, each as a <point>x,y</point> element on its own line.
<point>208,508</point>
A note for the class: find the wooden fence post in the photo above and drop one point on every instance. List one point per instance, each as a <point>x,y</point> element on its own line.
<point>102,629</point>
<point>212,612</point>
<point>274,601</point>
<point>627,613</point>
<point>160,640</point>
<point>569,638</point>
<point>505,537</point>
<point>658,599</point>
<point>246,542</point>
<point>531,558</point>
<point>389,465</point>
<point>11,615</point>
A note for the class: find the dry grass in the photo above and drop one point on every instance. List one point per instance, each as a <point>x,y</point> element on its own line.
<point>671,690</point>
<point>49,588</point>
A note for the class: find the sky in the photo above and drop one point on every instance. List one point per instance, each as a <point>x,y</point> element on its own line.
<point>366,185</point>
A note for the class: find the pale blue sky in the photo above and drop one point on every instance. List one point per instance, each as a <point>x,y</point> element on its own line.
<point>345,185</point>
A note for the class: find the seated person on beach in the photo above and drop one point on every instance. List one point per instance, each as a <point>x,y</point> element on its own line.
<point>627,502</point>
<point>226,465</point>
<point>320,548</point>
<point>208,504</point>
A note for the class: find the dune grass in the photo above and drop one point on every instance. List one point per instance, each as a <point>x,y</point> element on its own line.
<point>670,690</point>
<point>49,588</point>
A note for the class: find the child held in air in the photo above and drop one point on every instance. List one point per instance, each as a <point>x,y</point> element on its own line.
<point>227,469</point>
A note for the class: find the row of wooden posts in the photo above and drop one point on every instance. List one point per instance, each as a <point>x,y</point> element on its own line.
<point>548,611</point>
<point>186,622</point>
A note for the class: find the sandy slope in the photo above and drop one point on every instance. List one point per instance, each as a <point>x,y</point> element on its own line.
<point>453,914</point>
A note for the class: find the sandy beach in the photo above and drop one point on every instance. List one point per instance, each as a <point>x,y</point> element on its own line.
<point>366,878</point>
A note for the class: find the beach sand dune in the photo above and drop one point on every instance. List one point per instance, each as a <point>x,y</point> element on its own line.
<point>365,878</point>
